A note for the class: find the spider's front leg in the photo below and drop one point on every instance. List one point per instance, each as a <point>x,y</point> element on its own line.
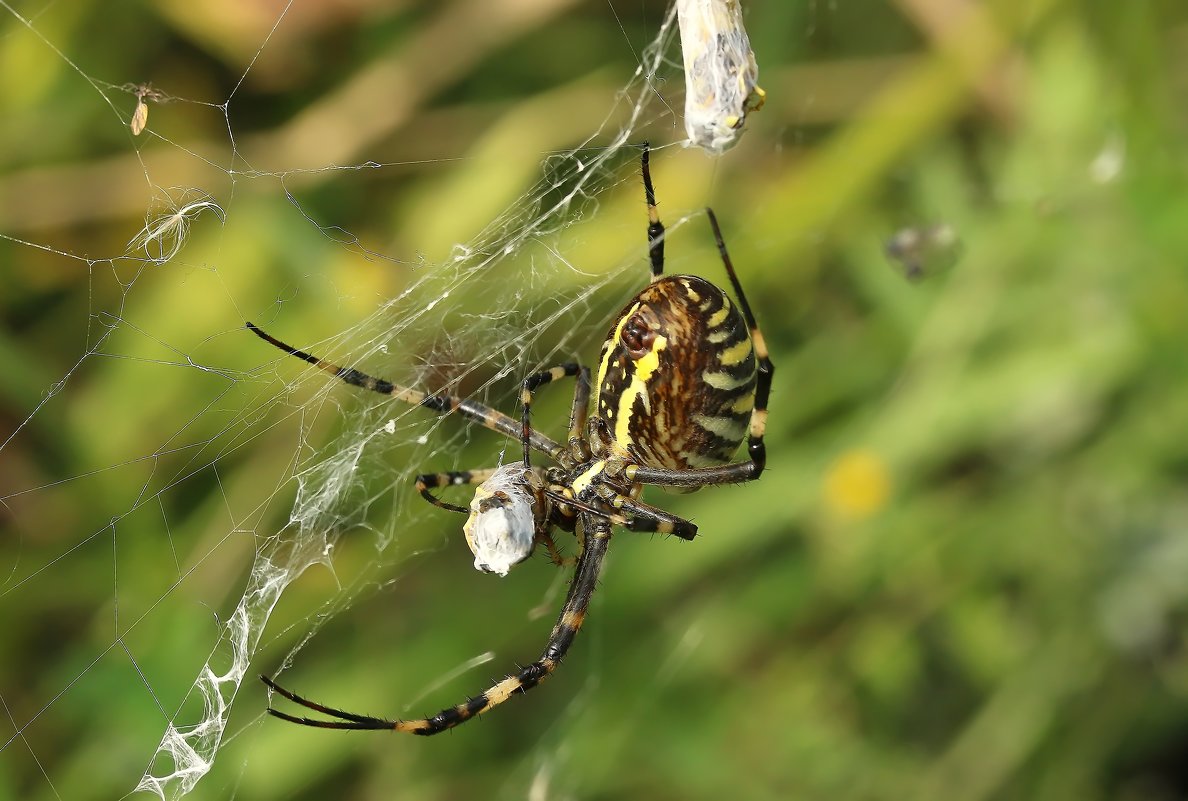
<point>440,403</point>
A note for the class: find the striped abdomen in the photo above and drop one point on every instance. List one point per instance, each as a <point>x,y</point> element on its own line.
<point>676,377</point>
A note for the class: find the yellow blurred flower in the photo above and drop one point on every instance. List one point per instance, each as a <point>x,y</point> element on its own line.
<point>857,484</point>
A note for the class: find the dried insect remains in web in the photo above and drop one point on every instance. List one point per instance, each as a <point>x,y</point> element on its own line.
<point>683,377</point>
<point>145,93</point>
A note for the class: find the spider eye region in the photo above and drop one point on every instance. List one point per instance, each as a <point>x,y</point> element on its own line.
<point>501,529</point>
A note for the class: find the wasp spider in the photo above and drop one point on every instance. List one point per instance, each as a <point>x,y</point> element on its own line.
<point>682,377</point>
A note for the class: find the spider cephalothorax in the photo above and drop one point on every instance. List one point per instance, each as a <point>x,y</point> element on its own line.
<point>683,377</point>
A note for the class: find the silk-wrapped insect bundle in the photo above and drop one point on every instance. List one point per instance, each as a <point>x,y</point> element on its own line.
<point>720,72</point>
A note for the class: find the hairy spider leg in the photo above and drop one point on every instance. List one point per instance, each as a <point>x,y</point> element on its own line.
<point>573,614</point>
<point>577,421</point>
<point>555,555</point>
<point>756,450</point>
<point>440,403</point>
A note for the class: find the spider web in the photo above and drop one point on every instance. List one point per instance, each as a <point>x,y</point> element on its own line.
<point>200,577</point>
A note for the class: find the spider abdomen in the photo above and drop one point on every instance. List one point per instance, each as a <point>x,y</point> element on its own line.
<point>676,376</point>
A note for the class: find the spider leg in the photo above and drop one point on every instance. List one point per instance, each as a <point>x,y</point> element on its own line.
<point>694,477</point>
<point>573,614</point>
<point>452,478</point>
<point>440,403</point>
<point>643,517</point>
<point>655,227</point>
<point>554,552</point>
<point>531,384</point>
<point>578,415</point>
<point>755,446</point>
<point>348,720</point>
<point>639,517</point>
<point>741,471</point>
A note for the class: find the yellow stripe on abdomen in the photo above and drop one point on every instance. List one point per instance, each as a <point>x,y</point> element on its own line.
<point>645,368</point>
<point>735,354</point>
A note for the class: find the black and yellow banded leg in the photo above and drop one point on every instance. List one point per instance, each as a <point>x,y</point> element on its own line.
<point>642,517</point>
<point>655,227</point>
<point>755,447</point>
<point>441,403</point>
<point>628,513</point>
<point>573,614</point>
<point>531,384</point>
<point>453,478</point>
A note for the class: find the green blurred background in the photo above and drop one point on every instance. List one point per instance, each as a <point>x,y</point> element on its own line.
<point>965,575</point>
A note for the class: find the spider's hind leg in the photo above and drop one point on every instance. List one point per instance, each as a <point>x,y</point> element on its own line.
<point>440,403</point>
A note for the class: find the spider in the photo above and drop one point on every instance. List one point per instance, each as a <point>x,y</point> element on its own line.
<point>683,375</point>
